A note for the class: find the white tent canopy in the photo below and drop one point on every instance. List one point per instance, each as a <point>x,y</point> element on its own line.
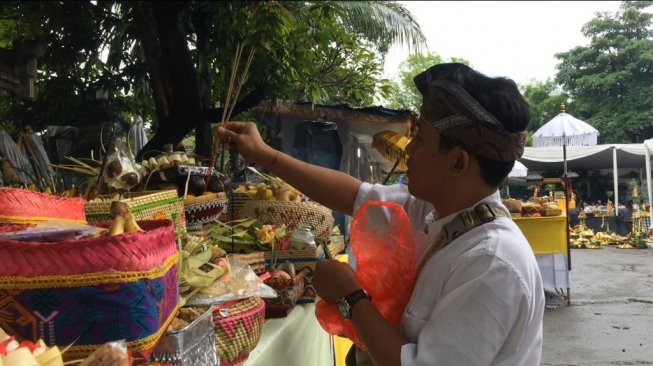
<point>565,129</point>
<point>584,157</point>
<point>518,171</point>
<point>594,157</point>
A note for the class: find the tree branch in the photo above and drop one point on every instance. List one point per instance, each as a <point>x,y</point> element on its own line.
<point>249,101</point>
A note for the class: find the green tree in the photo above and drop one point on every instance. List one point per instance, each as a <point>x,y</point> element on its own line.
<point>171,60</point>
<point>403,94</point>
<point>611,79</point>
<point>544,99</point>
<point>383,23</point>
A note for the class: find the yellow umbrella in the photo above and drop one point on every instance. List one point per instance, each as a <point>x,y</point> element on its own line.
<point>392,146</point>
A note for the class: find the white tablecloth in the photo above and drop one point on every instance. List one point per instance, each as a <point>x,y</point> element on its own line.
<point>296,340</point>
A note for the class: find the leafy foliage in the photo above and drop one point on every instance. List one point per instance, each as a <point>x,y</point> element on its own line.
<point>544,99</point>
<point>324,52</point>
<point>403,93</point>
<point>72,69</point>
<point>611,79</point>
<point>382,23</point>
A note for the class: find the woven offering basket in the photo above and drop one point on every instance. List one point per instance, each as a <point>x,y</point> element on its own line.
<point>292,214</point>
<point>21,206</point>
<point>238,329</point>
<point>91,291</point>
<point>233,209</point>
<point>148,205</point>
<point>289,291</point>
<point>197,229</point>
<point>204,210</point>
<point>301,258</point>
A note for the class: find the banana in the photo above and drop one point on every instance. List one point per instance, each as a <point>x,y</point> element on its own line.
<point>131,226</point>
<point>123,219</point>
<point>264,194</point>
<point>117,226</point>
<point>284,194</point>
<point>152,163</point>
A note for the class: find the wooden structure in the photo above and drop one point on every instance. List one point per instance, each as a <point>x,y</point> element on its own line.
<point>18,67</point>
<point>355,126</point>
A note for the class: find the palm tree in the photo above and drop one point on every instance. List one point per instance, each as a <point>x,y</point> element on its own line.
<point>383,22</point>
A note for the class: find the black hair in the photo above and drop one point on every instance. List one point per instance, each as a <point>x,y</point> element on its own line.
<point>499,96</point>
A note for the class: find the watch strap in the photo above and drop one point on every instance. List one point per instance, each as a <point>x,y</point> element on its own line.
<point>355,297</point>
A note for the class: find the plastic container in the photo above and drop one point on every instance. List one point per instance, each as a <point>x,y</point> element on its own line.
<point>303,238</point>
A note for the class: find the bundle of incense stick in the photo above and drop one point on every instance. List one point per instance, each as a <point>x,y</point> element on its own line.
<point>230,102</point>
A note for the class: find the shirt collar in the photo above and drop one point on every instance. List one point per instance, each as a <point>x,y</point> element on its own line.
<point>436,225</point>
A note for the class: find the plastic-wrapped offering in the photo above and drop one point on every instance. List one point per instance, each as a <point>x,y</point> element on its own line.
<point>121,171</point>
<point>239,283</point>
<point>110,354</point>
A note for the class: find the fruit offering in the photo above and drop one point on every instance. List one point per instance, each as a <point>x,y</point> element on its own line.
<point>14,353</point>
<point>271,189</point>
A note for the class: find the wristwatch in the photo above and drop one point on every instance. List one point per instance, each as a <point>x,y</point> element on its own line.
<point>346,304</point>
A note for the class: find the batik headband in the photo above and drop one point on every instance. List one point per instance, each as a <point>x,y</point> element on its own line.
<point>483,134</point>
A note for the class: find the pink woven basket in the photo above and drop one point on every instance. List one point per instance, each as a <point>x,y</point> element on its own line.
<point>21,206</point>
<point>238,326</point>
<point>88,292</point>
<point>128,252</point>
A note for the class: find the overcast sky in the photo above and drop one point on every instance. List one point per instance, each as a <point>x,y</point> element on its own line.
<point>517,39</point>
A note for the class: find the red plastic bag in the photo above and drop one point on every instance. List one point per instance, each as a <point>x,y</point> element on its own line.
<point>385,268</point>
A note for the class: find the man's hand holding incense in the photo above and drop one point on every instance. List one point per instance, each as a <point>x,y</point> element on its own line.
<point>244,137</point>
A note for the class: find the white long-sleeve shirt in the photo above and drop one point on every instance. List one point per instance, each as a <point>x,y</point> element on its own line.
<point>477,301</point>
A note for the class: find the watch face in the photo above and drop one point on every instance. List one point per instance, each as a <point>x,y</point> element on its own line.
<point>343,308</point>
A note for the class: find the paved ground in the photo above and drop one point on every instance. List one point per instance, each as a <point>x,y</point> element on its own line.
<point>610,320</point>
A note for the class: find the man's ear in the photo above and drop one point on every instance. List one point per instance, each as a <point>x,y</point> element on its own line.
<point>461,160</point>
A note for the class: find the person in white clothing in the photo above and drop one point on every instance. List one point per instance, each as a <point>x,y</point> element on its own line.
<point>478,299</point>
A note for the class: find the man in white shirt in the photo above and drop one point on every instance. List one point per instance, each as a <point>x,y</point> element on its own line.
<point>478,299</point>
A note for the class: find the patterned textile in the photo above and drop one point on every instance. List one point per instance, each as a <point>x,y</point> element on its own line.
<point>135,306</point>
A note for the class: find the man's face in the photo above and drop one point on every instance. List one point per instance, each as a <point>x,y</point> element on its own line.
<point>427,165</point>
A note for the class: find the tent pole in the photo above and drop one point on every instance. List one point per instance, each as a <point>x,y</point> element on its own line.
<point>648,179</point>
<point>615,181</point>
<point>564,155</point>
<point>564,161</point>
